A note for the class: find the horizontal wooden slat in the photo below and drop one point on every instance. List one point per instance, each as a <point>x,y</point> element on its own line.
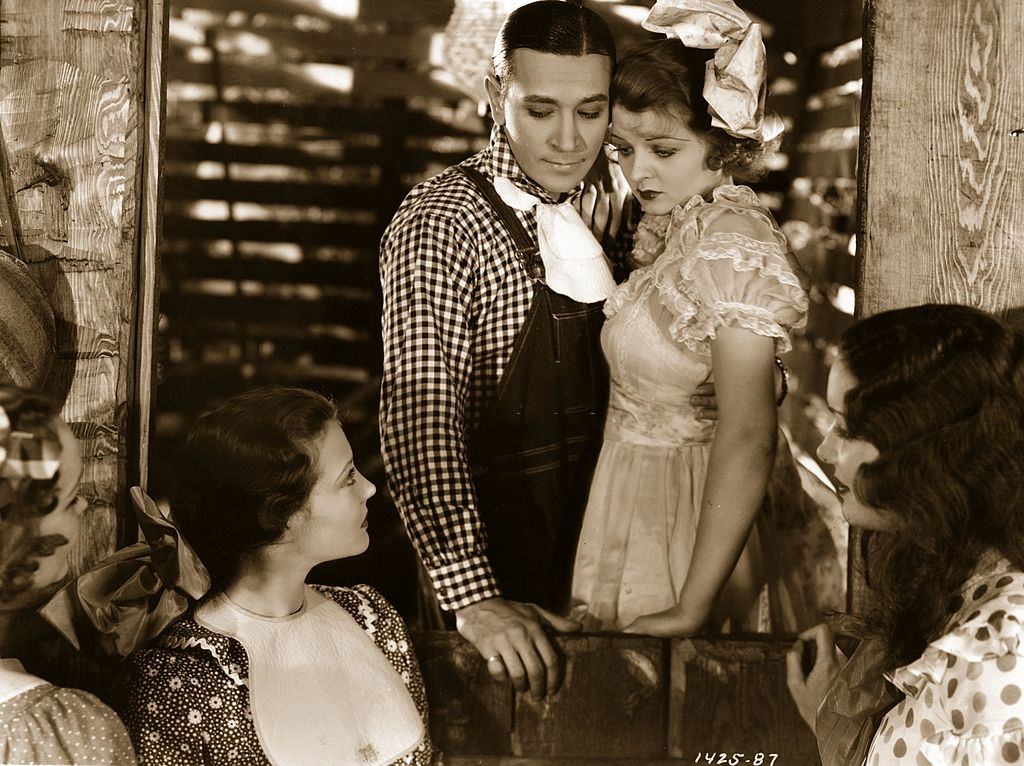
<point>260,74</point>
<point>323,351</point>
<point>411,11</point>
<point>340,119</point>
<point>343,43</point>
<point>308,233</point>
<point>181,149</point>
<point>194,265</point>
<point>332,195</point>
<point>353,313</point>
<point>189,389</point>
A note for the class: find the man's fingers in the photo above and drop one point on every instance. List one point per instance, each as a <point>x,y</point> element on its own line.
<point>795,679</point>
<point>705,389</point>
<point>701,401</point>
<point>561,624</point>
<point>548,655</point>
<point>496,666</point>
<point>514,666</point>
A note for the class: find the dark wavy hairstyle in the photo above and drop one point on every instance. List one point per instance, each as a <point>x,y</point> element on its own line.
<point>940,393</point>
<point>247,467</point>
<point>550,26</point>
<point>24,501</point>
<point>667,77</point>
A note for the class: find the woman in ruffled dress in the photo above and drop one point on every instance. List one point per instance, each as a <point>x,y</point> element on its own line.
<point>40,510</point>
<point>928,449</point>
<point>264,668</point>
<point>672,539</point>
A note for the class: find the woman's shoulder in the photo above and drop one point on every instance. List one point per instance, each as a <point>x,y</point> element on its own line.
<point>987,628</point>
<point>187,648</point>
<point>51,724</point>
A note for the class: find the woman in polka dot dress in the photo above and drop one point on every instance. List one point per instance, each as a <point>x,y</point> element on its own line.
<point>266,669</point>
<point>40,508</point>
<point>928,450</point>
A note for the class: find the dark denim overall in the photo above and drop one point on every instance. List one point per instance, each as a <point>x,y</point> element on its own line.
<point>534,453</point>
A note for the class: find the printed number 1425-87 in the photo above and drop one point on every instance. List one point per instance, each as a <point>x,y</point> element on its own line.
<point>735,759</point>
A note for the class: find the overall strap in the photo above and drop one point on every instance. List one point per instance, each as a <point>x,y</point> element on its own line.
<point>527,252</point>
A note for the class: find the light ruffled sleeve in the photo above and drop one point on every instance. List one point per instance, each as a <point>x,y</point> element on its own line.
<point>974,678</point>
<point>730,269</point>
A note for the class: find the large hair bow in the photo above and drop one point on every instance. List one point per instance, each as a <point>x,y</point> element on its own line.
<point>131,596</point>
<point>735,82</point>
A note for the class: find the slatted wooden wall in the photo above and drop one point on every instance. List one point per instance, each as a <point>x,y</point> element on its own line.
<point>293,134</point>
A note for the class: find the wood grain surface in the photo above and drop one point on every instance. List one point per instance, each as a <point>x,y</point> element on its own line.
<point>72,108</point>
<point>941,197</point>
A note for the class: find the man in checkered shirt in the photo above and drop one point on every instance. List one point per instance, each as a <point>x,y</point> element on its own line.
<point>456,299</point>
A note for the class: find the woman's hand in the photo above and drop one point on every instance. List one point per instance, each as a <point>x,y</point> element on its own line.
<point>671,623</point>
<point>808,690</point>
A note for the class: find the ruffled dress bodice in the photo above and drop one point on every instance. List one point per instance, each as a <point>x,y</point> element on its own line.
<point>705,265</point>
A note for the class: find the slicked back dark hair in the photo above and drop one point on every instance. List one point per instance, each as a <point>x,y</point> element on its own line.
<point>248,467</point>
<point>551,26</point>
<point>940,393</point>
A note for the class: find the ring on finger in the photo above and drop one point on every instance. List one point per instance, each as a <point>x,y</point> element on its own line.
<point>493,658</point>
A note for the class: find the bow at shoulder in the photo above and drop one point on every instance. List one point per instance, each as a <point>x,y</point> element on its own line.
<point>133,595</point>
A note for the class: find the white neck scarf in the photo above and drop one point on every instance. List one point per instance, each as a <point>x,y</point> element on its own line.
<point>574,263</point>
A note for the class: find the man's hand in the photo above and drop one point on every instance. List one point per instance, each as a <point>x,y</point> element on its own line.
<point>510,636</point>
<point>602,203</point>
<point>704,402</point>
<point>808,691</point>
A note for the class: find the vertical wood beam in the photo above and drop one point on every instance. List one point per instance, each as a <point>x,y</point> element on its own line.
<point>72,102</point>
<point>943,180</point>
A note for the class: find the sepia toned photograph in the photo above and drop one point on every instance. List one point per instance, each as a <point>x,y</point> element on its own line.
<point>512,383</point>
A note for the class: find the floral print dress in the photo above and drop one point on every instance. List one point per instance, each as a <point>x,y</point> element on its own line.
<point>188,700</point>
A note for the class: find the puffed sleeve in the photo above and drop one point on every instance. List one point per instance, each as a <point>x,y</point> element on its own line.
<point>971,681</point>
<point>731,271</point>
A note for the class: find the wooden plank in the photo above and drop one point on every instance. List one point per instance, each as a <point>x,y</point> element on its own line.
<point>470,713</point>
<point>941,199</point>
<point>304,86</point>
<point>344,43</point>
<point>147,279</point>
<point>72,109</point>
<point>611,705</point>
<point>332,195</point>
<point>338,118</point>
<point>730,696</point>
<point>324,351</point>
<point>327,311</point>
<point>182,390</point>
<point>264,154</point>
<point>198,266</point>
<point>305,232</point>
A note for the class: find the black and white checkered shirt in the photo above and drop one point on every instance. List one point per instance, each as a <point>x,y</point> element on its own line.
<point>455,297</point>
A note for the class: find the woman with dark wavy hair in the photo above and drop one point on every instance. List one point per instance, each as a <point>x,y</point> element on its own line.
<point>264,668</point>
<point>928,449</point>
<point>40,510</point>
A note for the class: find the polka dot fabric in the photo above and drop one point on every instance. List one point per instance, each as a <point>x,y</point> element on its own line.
<point>188,696</point>
<point>964,694</point>
<point>51,725</point>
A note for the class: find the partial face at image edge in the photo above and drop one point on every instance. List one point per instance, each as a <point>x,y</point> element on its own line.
<point>554,110</point>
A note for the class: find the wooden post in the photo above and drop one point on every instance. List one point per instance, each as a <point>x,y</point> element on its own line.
<point>73,107</point>
<point>942,159</point>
